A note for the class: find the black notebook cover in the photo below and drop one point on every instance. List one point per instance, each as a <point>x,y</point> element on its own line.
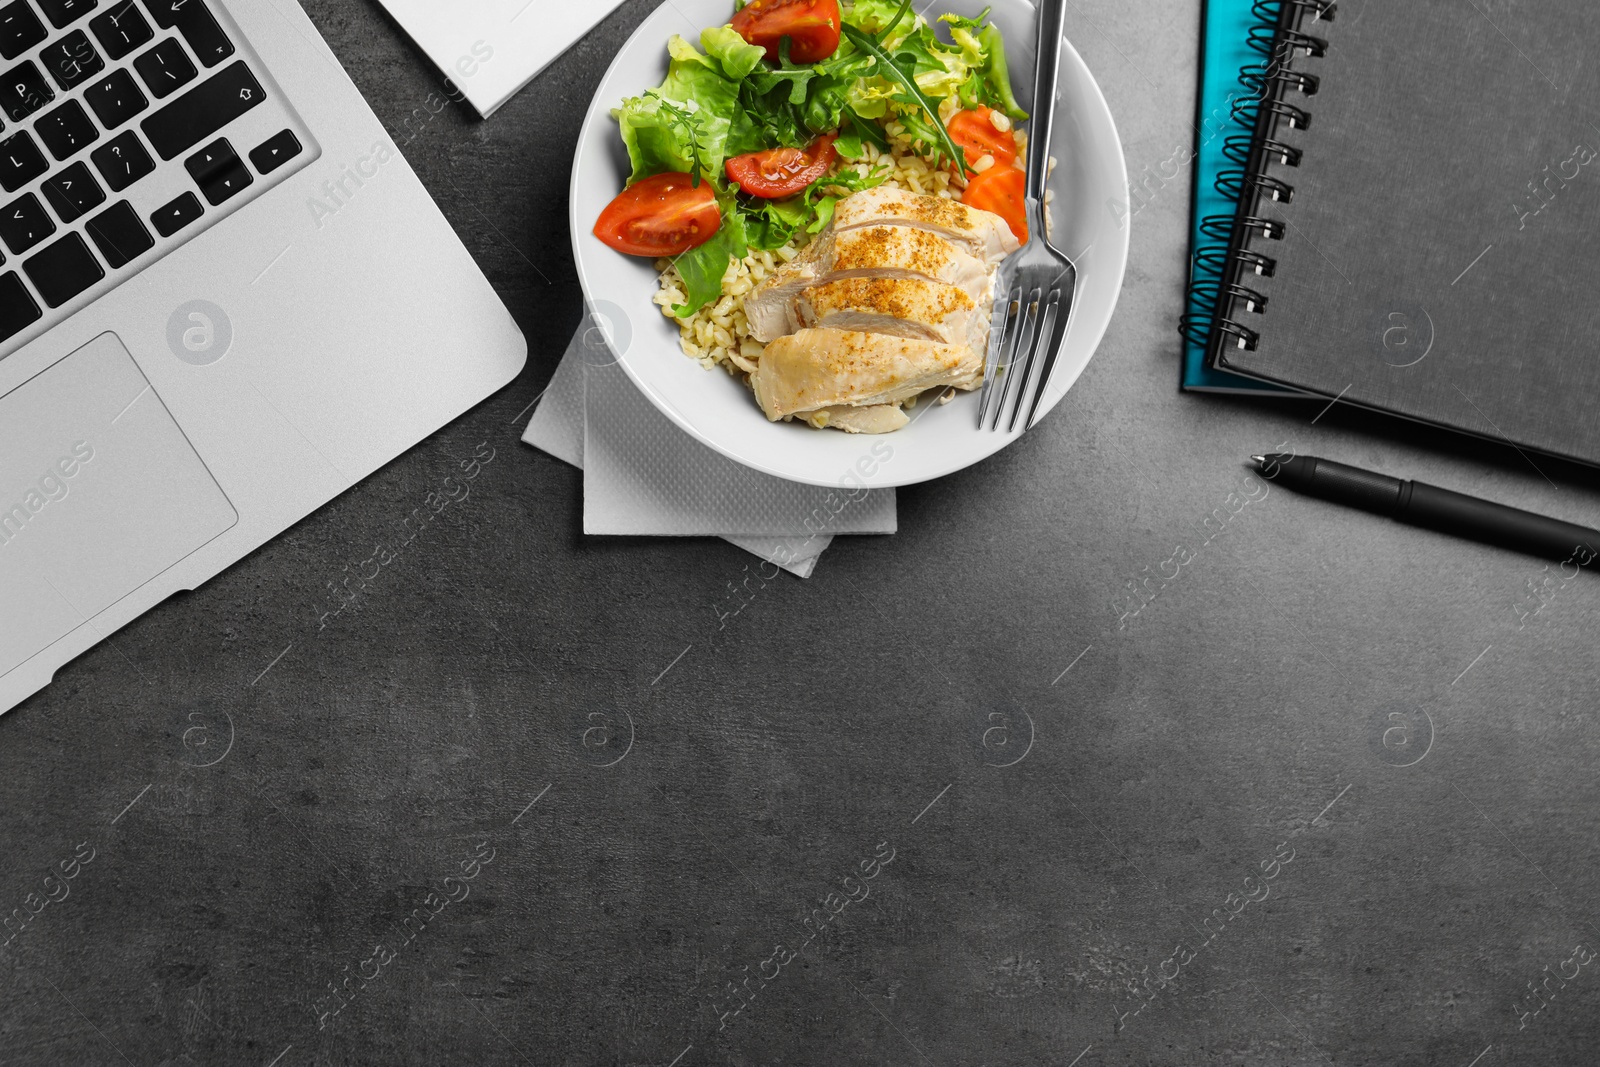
<point>1439,257</point>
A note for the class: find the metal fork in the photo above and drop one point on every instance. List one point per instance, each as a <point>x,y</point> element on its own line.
<point>1035,285</point>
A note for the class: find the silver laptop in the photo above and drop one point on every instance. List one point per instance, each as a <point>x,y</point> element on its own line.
<point>224,299</point>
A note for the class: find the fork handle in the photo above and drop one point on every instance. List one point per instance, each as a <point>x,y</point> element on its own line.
<point>1052,30</point>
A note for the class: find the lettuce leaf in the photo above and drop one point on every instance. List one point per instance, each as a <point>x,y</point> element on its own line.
<point>736,57</point>
<point>703,87</point>
<point>703,268</point>
<point>655,140</point>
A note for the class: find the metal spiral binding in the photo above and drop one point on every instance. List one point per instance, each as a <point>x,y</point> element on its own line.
<point>1218,291</point>
<point>1238,149</point>
<point>1234,183</point>
<point>1224,227</point>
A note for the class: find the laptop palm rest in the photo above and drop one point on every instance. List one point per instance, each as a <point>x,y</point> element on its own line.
<point>99,492</point>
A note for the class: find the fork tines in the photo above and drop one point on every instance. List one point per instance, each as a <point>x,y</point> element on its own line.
<point>1025,336</point>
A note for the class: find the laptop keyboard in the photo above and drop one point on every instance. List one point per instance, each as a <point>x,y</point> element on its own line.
<point>124,127</point>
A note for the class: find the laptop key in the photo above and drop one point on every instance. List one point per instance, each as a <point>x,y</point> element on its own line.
<point>202,32</point>
<point>173,217</point>
<point>63,270</point>
<point>214,157</point>
<point>23,91</point>
<point>20,30</point>
<point>203,110</point>
<point>122,161</point>
<point>24,223</point>
<point>119,235</point>
<point>62,12</point>
<point>218,171</point>
<point>121,29</point>
<point>275,151</point>
<point>165,68</point>
<point>72,60</point>
<point>73,193</point>
<point>115,99</point>
<point>66,129</point>
<point>20,161</point>
<point>17,308</point>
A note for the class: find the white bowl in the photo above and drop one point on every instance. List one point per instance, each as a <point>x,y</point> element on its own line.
<point>1091,188</point>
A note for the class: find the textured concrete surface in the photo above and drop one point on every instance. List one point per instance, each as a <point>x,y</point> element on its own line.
<point>1328,797</point>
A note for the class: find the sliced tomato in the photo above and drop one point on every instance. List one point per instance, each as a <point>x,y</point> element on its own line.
<point>781,172</point>
<point>1002,190</point>
<point>660,216</point>
<point>974,131</point>
<point>812,27</point>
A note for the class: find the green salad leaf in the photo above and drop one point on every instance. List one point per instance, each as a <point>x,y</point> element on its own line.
<point>893,67</point>
<point>989,81</point>
<point>733,54</point>
<point>703,268</point>
<point>971,67</point>
<point>771,224</point>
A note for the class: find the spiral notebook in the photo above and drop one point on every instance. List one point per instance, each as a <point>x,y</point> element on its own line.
<point>1223,122</point>
<point>1416,230</point>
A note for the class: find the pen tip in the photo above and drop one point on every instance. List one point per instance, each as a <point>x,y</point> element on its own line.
<point>1260,461</point>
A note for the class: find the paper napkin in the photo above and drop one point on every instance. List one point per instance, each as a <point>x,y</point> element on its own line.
<point>491,48</point>
<point>644,476</point>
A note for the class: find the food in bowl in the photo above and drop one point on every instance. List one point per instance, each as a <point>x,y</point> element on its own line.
<point>794,181</point>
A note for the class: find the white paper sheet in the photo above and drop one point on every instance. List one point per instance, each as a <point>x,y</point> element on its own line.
<point>489,49</point>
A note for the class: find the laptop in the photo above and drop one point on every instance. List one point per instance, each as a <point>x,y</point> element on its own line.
<point>224,299</point>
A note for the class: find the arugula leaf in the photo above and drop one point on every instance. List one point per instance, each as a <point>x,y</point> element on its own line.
<point>887,68</point>
<point>683,120</point>
<point>905,5</point>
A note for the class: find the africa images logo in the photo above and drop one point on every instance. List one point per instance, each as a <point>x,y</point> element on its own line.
<point>52,486</point>
<point>199,333</point>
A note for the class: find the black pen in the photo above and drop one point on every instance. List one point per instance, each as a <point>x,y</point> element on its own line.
<point>1428,506</point>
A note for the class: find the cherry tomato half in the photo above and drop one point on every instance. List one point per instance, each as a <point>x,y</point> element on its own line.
<point>660,216</point>
<point>812,27</point>
<point>974,131</point>
<point>1002,190</point>
<point>781,172</point>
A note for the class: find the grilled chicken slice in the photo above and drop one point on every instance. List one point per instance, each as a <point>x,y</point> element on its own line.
<point>900,307</point>
<point>880,418</point>
<point>867,252</point>
<point>983,233</point>
<point>824,368</point>
<point>908,251</point>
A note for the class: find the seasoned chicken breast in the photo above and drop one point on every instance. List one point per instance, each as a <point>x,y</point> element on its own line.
<point>983,233</point>
<point>907,251</point>
<point>900,307</point>
<point>891,301</point>
<point>824,368</point>
<point>868,252</point>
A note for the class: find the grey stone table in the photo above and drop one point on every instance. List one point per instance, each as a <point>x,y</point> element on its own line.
<point>1324,793</point>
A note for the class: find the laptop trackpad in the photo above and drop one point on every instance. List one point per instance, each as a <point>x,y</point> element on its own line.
<point>99,493</point>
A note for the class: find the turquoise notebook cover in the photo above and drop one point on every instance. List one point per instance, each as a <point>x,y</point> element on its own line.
<point>1225,50</point>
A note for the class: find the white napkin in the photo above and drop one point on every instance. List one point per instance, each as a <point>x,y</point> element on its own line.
<point>644,476</point>
<point>491,48</point>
